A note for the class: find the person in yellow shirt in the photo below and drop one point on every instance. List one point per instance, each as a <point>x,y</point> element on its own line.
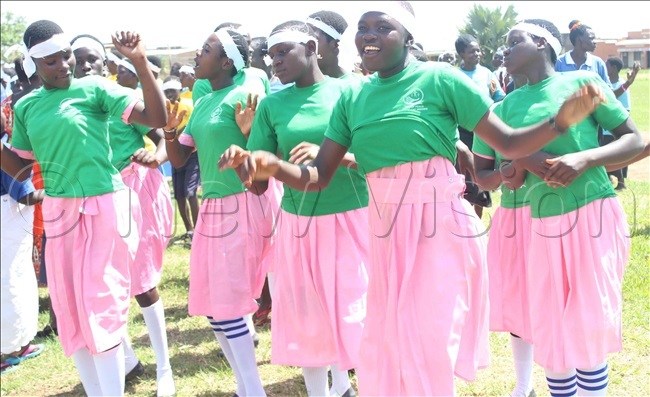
<point>113,59</point>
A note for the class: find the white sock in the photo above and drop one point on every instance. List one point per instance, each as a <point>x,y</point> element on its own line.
<point>110,371</point>
<point>522,352</point>
<point>249,323</point>
<point>315,381</point>
<point>130,359</point>
<point>227,351</point>
<point>561,384</point>
<point>87,372</point>
<point>340,381</point>
<point>243,350</point>
<point>593,381</point>
<point>154,318</point>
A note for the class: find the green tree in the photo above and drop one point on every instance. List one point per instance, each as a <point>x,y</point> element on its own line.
<point>489,27</point>
<point>13,28</point>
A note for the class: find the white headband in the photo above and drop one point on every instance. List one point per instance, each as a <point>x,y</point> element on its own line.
<point>397,12</point>
<point>230,48</point>
<point>292,36</point>
<point>54,44</point>
<point>87,42</point>
<point>539,31</point>
<point>128,65</point>
<point>186,69</point>
<point>330,31</point>
<point>172,85</point>
<point>113,58</point>
<point>153,67</point>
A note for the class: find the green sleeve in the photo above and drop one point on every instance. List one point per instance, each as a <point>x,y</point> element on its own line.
<point>463,98</point>
<point>263,136</point>
<point>338,129</point>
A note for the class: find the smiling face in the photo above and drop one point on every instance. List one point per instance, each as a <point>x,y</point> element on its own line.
<point>89,62</point>
<point>290,60</point>
<point>209,59</point>
<point>56,70</point>
<point>521,54</point>
<point>381,43</point>
<point>471,56</point>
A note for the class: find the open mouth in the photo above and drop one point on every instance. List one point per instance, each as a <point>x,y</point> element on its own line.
<point>371,49</point>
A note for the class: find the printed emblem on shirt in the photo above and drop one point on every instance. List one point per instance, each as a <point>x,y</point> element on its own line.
<point>215,117</point>
<point>562,96</point>
<point>67,108</point>
<point>413,99</point>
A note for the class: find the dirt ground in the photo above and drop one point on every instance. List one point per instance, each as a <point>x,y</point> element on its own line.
<point>640,171</point>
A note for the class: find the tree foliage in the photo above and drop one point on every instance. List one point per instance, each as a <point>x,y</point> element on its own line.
<point>13,28</point>
<point>489,27</point>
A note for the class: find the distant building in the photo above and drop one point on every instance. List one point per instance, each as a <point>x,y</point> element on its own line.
<point>633,48</point>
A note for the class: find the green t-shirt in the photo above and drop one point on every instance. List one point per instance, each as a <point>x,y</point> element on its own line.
<point>293,115</point>
<point>509,198</point>
<point>531,104</point>
<point>67,131</point>
<point>254,79</point>
<point>125,139</point>
<point>411,116</point>
<point>214,129</point>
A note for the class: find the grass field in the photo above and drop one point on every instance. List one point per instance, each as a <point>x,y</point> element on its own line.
<point>640,98</point>
<point>200,372</point>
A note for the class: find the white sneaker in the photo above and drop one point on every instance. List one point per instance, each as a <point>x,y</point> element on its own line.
<point>165,382</point>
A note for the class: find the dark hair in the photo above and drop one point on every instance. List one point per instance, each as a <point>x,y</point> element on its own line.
<point>171,77</point>
<point>155,60</point>
<point>332,19</point>
<point>90,37</point>
<point>577,31</point>
<point>117,53</point>
<point>299,26</point>
<point>20,71</point>
<point>40,31</point>
<point>242,45</point>
<point>551,29</point>
<point>228,25</point>
<point>418,54</point>
<point>174,69</point>
<point>261,42</point>
<point>463,41</point>
<point>616,62</point>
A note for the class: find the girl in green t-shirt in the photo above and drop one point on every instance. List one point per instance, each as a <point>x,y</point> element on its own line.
<point>320,279</point>
<point>427,293</point>
<point>579,242</point>
<point>91,238</point>
<point>234,232</point>
<point>149,184</point>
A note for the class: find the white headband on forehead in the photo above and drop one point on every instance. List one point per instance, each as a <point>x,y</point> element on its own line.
<point>153,67</point>
<point>290,36</point>
<point>186,69</point>
<point>113,58</point>
<point>397,12</point>
<point>172,85</point>
<point>327,29</point>
<point>230,48</point>
<point>128,65</point>
<point>539,31</point>
<point>54,44</point>
<point>87,42</point>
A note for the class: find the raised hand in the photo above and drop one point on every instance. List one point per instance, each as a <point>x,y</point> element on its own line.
<point>174,118</point>
<point>303,153</point>
<point>631,75</point>
<point>145,158</point>
<point>579,105</point>
<point>565,169</point>
<point>244,117</point>
<point>129,44</point>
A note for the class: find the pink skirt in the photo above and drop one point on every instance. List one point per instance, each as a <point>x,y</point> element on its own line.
<point>507,250</point>
<point>91,243</point>
<point>427,315</point>
<point>232,237</point>
<point>576,265</point>
<point>274,193</point>
<point>156,228</point>
<point>319,296</point>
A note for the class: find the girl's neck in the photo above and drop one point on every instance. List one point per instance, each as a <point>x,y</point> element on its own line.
<point>313,76</point>
<point>541,74</point>
<point>334,71</point>
<point>221,81</point>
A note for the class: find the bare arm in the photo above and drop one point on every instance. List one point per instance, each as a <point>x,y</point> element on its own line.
<point>17,167</point>
<point>152,111</point>
<point>486,177</point>
<point>645,153</point>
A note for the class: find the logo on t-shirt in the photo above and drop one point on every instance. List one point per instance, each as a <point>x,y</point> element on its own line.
<point>67,108</point>
<point>413,99</point>
<point>215,117</point>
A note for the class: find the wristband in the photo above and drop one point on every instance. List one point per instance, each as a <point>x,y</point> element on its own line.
<point>173,131</point>
<point>624,87</point>
<point>554,127</point>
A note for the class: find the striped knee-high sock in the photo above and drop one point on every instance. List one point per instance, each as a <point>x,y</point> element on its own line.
<point>562,384</point>
<point>237,336</point>
<point>227,351</point>
<point>593,381</point>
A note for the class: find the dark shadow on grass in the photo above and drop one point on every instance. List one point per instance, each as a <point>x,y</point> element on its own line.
<point>642,231</point>
<point>289,387</point>
<point>44,304</point>
<point>77,391</point>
